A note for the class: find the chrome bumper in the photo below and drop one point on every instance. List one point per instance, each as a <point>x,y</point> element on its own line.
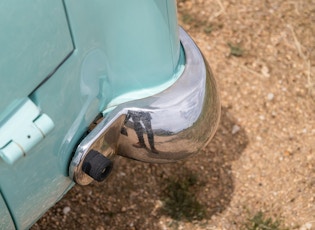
<point>166,127</point>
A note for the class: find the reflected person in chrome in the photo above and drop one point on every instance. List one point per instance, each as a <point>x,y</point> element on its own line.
<point>141,119</point>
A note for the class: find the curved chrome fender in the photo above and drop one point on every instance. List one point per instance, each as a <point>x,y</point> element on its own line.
<point>166,127</point>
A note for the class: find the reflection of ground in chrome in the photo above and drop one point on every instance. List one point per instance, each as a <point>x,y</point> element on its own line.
<point>266,165</point>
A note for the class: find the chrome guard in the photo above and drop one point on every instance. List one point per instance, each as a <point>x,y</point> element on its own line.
<point>166,127</point>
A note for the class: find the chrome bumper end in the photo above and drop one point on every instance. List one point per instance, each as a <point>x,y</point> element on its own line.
<point>166,127</point>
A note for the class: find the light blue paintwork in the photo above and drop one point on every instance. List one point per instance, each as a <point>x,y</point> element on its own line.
<point>5,218</point>
<point>34,38</point>
<point>120,48</point>
<point>136,45</point>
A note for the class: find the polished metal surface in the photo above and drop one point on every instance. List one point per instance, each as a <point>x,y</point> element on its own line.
<point>166,127</point>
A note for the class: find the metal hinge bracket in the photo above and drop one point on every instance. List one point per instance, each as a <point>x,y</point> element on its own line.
<point>22,130</point>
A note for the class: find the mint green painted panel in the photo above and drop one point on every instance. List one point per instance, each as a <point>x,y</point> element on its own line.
<point>33,184</point>
<point>107,62</point>
<point>139,40</point>
<point>6,222</point>
<point>35,39</point>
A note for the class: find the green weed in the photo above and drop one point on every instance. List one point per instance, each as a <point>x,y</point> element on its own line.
<point>236,50</point>
<point>208,29</point>
<point>260,222</point>
<point>180,202</point>
<point>187,18</point>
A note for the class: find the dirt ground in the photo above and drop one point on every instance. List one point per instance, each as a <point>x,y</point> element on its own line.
<point>262,158</point>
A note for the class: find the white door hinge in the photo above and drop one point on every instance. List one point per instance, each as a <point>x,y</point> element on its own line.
<point>22,130</point>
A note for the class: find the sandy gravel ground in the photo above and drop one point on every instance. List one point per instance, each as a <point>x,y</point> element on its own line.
<point>262,158</point>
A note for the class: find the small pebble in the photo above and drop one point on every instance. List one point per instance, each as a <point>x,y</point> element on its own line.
<point>235,129</point>
<point>66,210</point>
<point>307,226</point>
<point>265,71</point>
<point>270,96</point>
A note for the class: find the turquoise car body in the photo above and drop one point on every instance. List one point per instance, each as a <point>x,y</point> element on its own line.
<point>64,62</point>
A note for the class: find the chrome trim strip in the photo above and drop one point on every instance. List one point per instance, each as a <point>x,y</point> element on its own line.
<point>166,127</point>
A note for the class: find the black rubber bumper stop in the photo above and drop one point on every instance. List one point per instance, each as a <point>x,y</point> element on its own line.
<point>97,165</point>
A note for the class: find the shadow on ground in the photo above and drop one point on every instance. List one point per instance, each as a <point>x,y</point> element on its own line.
<point>137,194</point>
<point>203,186</point>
